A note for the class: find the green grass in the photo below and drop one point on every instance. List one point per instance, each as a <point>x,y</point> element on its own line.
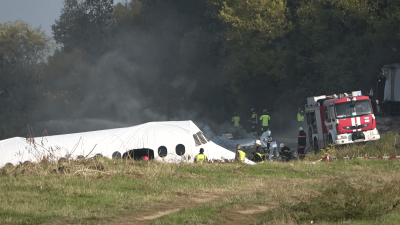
<point>97,191</point>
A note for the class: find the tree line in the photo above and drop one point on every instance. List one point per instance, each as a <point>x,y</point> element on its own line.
<point>145,60</point>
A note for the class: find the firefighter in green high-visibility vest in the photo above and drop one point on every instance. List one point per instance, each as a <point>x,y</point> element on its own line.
<point>200,157</point>
<point>235,120</point>
<point>265,118</point>
<point>300,115</point>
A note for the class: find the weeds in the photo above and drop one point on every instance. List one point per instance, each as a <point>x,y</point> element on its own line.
<point>92,191</point>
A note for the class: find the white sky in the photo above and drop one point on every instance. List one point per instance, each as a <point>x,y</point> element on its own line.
<point>35,12</point>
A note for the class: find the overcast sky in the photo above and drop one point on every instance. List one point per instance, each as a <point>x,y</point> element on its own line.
<point>35,12</point>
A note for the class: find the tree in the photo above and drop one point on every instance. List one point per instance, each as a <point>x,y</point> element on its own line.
<point>85,24</point>
<point>22,49</point>
<point>255,30</point>
<point>286,52</point>
<point>127,12</point>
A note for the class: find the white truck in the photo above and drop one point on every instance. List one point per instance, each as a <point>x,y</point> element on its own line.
<point>389,103</point>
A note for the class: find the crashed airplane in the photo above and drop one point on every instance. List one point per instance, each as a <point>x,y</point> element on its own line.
<point>172,141</point>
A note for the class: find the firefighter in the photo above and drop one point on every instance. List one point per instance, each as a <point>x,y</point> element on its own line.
<point>300,115</point>
<point>381,86</point>
<point>301,143</point>
<point>259,149</point>
<point>254,121</point>
<point>235,120</point>
<point>265,118</point>
<point>286,153</point>
<point>200,157</point>
<point>240,154</point>
<point>259,154</point>
<point>267,139</point>
<point>258,157</point>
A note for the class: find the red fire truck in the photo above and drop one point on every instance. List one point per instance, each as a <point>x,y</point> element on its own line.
<point>340,119</point>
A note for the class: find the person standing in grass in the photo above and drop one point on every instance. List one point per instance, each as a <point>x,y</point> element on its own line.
<point>240,154</point>
<point>200,157</point>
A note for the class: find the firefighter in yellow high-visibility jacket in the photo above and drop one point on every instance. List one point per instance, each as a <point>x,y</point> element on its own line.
<point>200,157</point>
<point>240,154</point>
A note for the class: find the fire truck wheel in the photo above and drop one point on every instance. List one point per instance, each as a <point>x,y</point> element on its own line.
<point>316,146</point>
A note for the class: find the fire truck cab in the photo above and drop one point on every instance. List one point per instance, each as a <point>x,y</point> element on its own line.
<point>340,119</point>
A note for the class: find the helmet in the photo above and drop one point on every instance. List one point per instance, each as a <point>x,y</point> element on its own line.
<point>282,145</point>
<point>300,128</point>
<point>258,142</point>
<point>201,150</point>
<point>234,113</point>
<point>146,158</point>
<point>268,133</point>
<point>253,109</point>
<point>264,111</point>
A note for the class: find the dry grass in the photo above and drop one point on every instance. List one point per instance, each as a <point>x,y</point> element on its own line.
<point>100,190</point>
<point>386,146</point>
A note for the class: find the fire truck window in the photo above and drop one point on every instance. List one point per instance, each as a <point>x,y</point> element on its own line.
<point>331,113</point>
<point>162,151</point>
<point>363,108</point>
<point>180,149</point>
<point>349,109</point>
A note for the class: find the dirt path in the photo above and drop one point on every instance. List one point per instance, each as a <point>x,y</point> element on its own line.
<point>156,211</point>
<point>248,214</point>
<point>244,215</point>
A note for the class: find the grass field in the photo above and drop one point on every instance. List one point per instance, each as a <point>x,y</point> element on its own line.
<point>102,191</point>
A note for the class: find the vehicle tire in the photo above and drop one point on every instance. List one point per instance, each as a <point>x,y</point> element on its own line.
<point>316,146</point>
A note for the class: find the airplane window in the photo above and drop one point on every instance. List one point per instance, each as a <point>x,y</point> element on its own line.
<point>180,149</point>
<point>162,151</point>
